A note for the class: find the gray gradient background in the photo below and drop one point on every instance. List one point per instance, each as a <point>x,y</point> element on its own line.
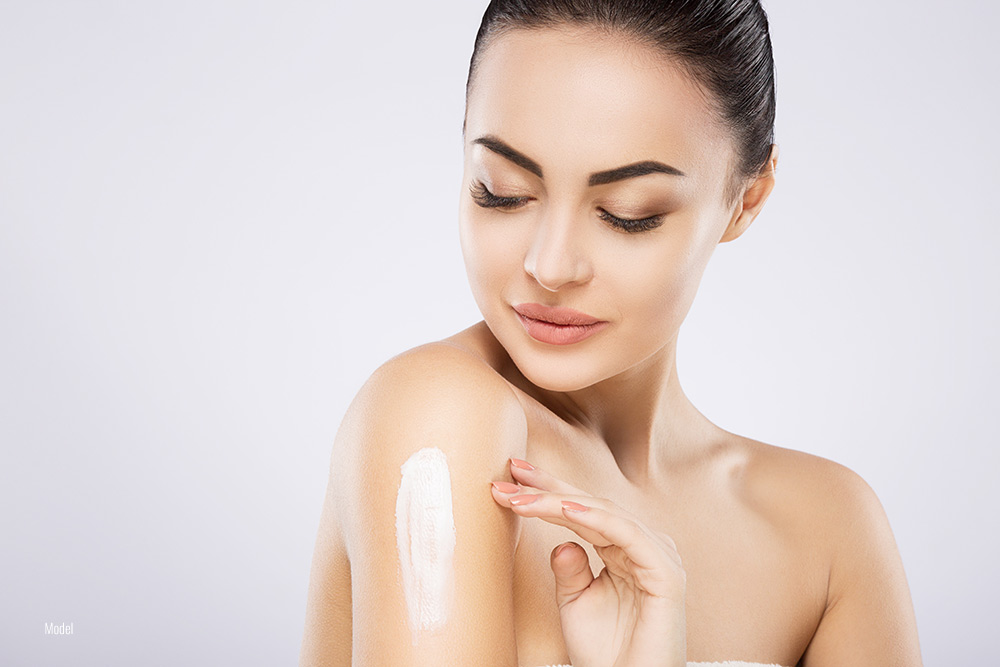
<point>217,218</point>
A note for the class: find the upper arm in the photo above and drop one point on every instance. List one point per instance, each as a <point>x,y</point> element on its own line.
<point>403,553</point>
<point>869,617</point>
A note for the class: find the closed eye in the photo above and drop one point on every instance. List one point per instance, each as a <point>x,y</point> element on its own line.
<point>486,199</point>
<point>632,225</point>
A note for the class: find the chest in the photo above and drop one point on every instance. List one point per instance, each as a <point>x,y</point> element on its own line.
<point>755,590</point>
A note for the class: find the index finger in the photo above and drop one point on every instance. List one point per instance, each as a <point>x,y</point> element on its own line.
<point>530,475</point>
<point>599,521</point>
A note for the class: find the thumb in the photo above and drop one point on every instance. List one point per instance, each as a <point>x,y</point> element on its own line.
<point>572,569</point>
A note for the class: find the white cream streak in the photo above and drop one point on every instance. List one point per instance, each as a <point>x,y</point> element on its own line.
<point>425,538</point>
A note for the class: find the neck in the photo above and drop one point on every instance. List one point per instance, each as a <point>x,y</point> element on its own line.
<point>641,415</point>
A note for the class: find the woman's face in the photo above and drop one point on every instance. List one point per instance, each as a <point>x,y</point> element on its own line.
<point>549,109</point>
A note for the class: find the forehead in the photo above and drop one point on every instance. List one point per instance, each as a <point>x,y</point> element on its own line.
<point>592,100</point>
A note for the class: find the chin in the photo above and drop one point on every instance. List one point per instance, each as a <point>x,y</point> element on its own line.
<point>556,382</point>
<point>556,370</point>
<point>560,368</point>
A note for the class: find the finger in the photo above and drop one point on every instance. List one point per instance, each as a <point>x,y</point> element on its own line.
<point>653,567</point>
<point>547,511</point>
<point>571,568</point>
<point>626,534</point>
<point>601,527</point>
<point>502,491</point>
<point>526,473</point>
<point>547,506</point>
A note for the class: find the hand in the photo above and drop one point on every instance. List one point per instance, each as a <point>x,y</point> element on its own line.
<point>632,613</point>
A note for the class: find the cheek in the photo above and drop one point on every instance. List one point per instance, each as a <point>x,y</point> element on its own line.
<point>656,286</point>
<point>490,250</point>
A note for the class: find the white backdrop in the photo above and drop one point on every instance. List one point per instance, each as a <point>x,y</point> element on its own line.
<point>217,218</point>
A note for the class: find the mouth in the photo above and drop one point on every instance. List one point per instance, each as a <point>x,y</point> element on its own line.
<point>555,314</point>
<point>557,326</point>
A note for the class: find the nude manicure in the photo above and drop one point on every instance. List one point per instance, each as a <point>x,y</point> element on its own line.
<point>506,487</point>
<point>523,465</point>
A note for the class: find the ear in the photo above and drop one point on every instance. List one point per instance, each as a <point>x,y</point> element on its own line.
<point>753,199</point>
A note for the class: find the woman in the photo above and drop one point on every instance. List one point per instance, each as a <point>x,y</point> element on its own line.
<point>537,488</point>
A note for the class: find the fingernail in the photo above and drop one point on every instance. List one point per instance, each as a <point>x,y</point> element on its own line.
<point>523,465</point>
<point>562,548</point>
<point>573,507</point>
<point>524,499</point>
<point>506,487</point>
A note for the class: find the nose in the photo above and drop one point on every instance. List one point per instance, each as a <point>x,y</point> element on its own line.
<point>556,256</point>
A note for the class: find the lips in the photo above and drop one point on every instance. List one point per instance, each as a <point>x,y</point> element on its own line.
<point>555,314</point>
<point>557,326</point>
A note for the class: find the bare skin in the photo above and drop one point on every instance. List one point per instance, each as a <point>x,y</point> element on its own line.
<point>760,529</point>
<point>788,556</point>
<point>758,596</point>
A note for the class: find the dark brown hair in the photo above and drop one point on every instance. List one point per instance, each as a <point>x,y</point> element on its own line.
<point>723,44</point>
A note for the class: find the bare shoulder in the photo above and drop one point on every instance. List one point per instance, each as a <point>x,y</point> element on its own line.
<point>415,452</point>
<point>435,395</point>
<point>868,617</point>
<point>823,493</point>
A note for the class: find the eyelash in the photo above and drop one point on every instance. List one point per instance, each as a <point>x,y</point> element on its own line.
<point>487,199</point>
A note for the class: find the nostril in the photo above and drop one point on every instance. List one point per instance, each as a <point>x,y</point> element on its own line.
<point>555,258</point>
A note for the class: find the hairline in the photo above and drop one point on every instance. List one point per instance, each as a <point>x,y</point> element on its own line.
<point>735,180</point>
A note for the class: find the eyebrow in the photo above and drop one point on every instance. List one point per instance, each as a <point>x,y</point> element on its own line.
<point>597,178</point>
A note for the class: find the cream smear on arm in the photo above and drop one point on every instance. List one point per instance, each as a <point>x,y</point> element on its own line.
<point>425,539</point>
